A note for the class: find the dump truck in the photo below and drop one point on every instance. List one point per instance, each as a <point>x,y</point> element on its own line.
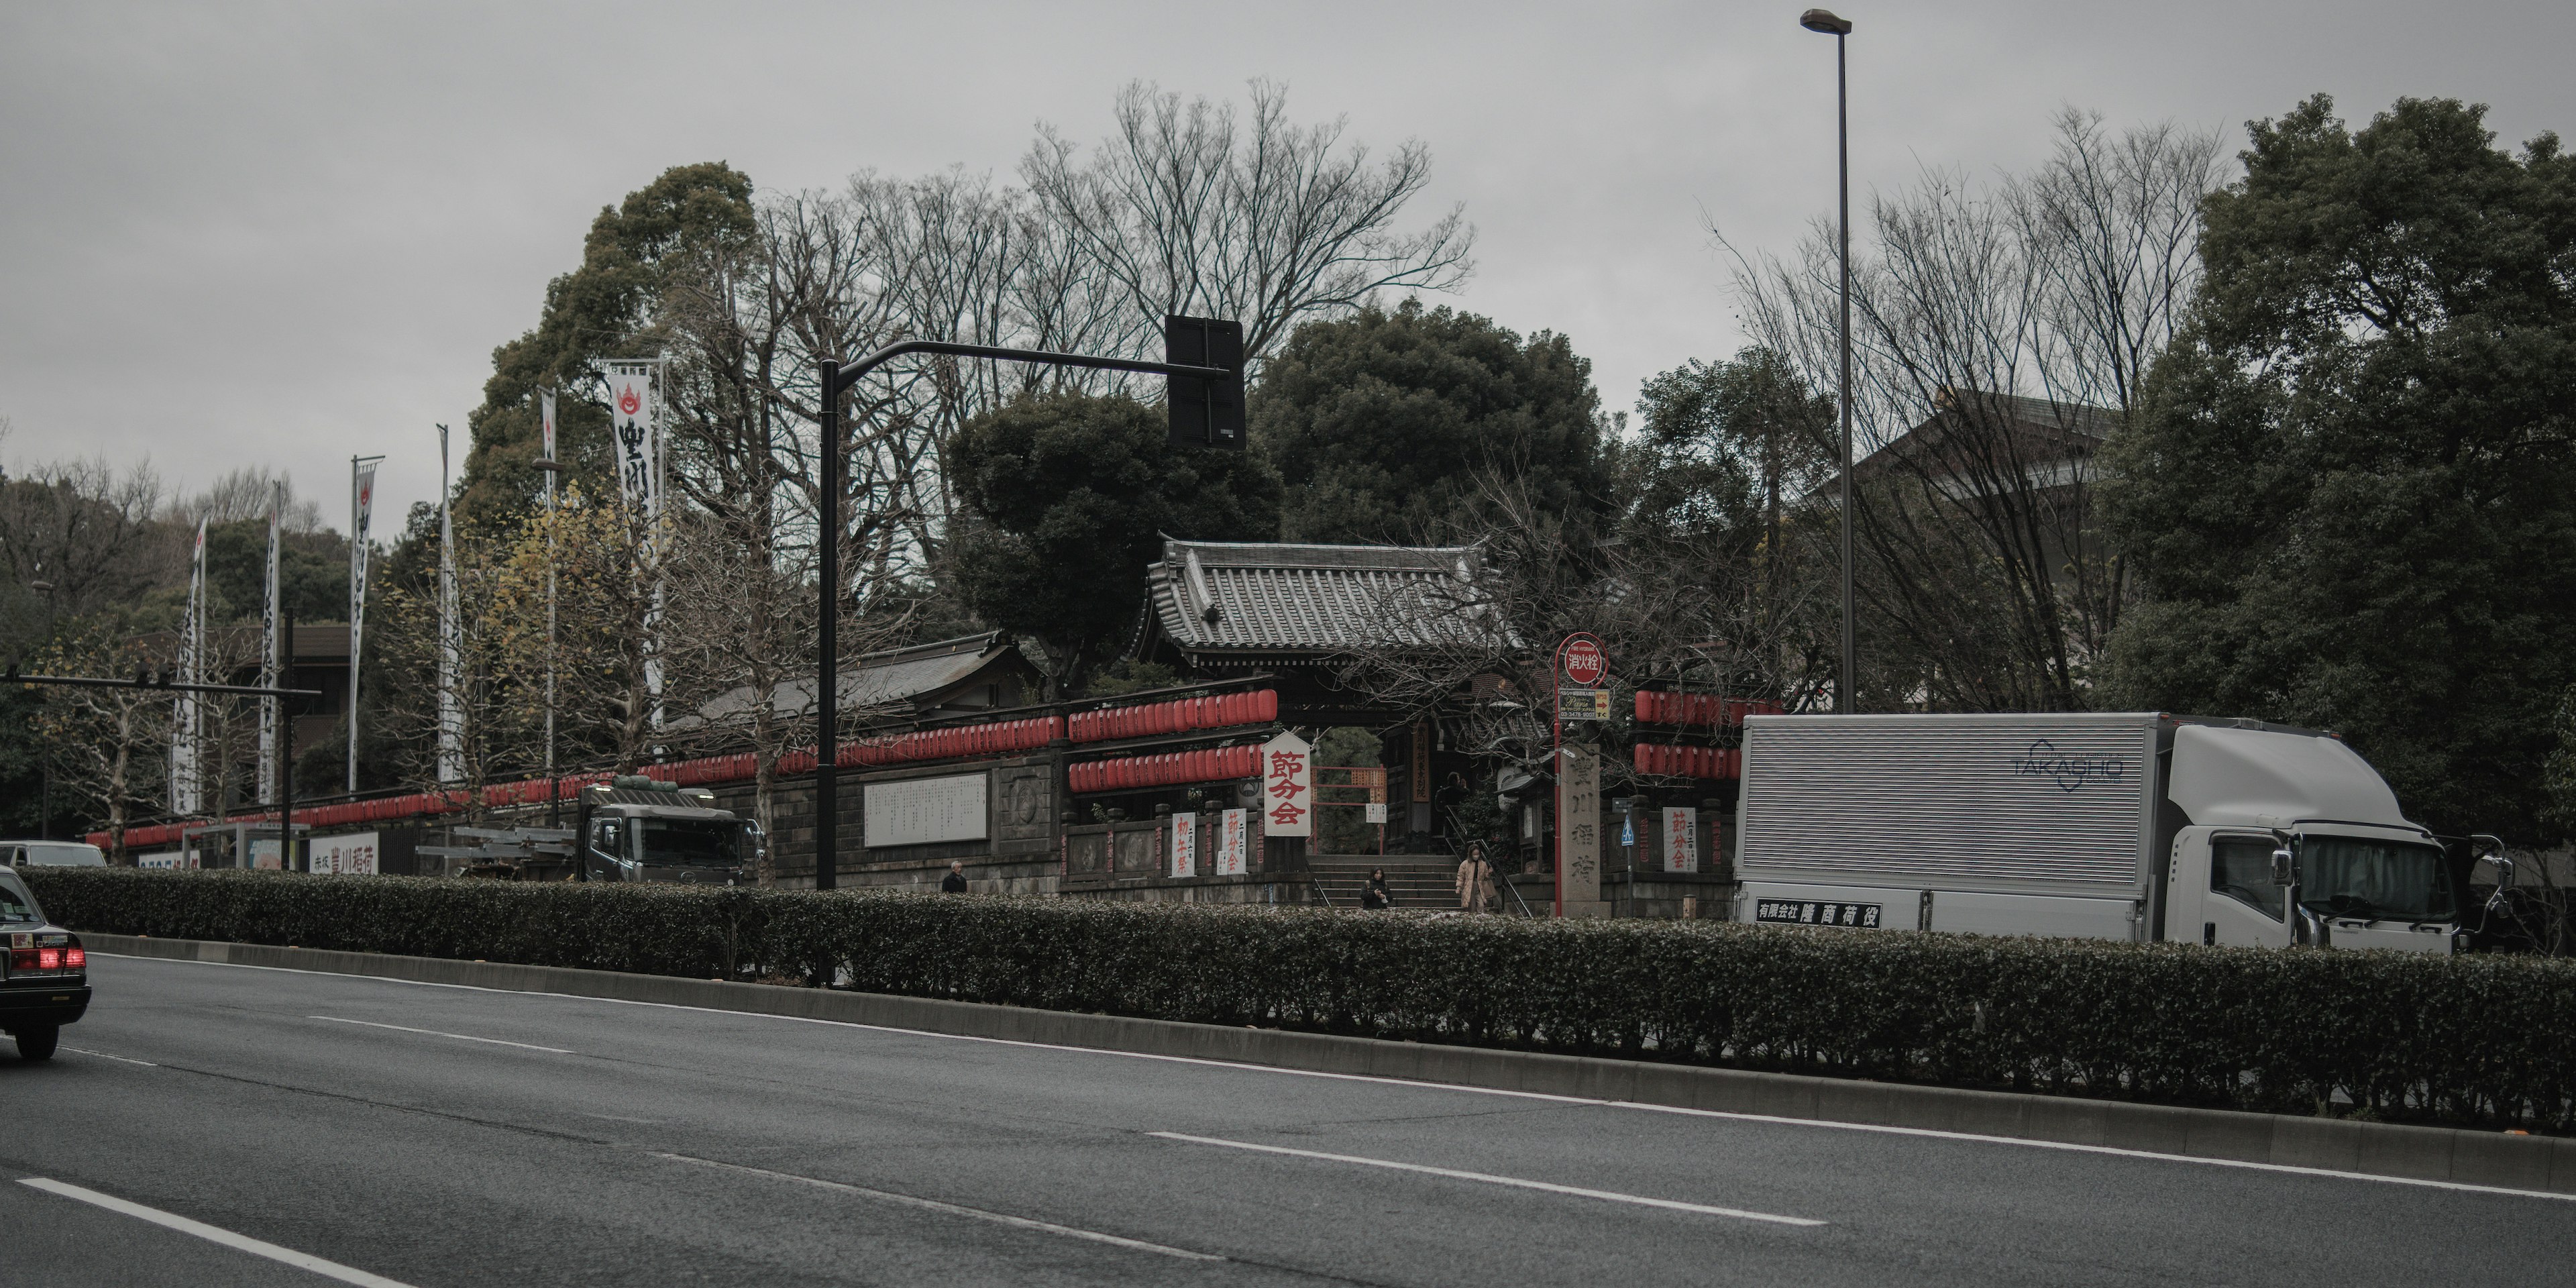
<point>631,828</point>
<point>2143,826</point>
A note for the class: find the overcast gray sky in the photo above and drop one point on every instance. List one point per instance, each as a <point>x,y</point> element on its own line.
<point>281,234</point>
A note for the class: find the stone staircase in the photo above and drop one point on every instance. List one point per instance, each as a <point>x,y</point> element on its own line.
<point>1416,880</point>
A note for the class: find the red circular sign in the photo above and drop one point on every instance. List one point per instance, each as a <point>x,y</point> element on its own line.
<point>1584,665</point>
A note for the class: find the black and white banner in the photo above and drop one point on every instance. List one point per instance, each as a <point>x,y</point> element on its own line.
<point>269,675</point>
<point>451,711</point>
<point>185,775</point>
<point>636,434</point>
<point>362,509</point>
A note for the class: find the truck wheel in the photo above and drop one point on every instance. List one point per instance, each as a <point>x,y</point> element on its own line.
<point>36,1041</point>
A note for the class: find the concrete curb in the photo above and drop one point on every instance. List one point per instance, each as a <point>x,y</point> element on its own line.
<point>2444,1154</point>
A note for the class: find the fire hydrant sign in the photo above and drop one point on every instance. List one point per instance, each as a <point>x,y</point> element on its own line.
<point>1287,787</point>
<point>1681,840</point>
<point>1584,665</point>
<point>1185,845</point>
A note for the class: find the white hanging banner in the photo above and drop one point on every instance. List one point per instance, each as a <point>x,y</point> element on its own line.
<point>634,431</point>
<point>1287,787</point>
<point>1232,842</point>
<point>269,674</point>
<point>362,509</point>
<point>1681,840</point>
<point>186,795</point>
<point>451,711</point>
<point>1185,845</point>
<point>546,431</point>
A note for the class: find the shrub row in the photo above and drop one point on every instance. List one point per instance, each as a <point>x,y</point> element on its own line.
<point>2480,1040</point>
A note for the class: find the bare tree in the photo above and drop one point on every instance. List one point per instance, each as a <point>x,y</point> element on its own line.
<point>78,538</point>
<point>1999,338</point>
<point>1183,211</point>
<point>249,493</point>
<point>111,744</point>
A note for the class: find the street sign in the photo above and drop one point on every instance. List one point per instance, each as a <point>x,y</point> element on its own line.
<point>1582,704</point>
<point>1584,665</point>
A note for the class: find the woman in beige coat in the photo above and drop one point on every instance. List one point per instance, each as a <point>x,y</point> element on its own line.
<point>1475,880</point>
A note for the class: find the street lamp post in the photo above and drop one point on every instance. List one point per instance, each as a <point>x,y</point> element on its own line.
<point>836,379</point>
<point>1824,22</point>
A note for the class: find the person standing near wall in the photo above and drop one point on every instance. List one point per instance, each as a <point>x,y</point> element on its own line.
<point>1475,880</point>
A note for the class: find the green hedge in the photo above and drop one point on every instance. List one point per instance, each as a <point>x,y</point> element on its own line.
<point>2481,1040</point>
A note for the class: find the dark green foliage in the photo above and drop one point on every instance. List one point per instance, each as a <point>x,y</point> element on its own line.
<point>312,570</point>
<point>1380,423</point>
<point>2351,495</point>
<point>2482,1040</point>
<point>1068,498</point>
<point>603,309</point>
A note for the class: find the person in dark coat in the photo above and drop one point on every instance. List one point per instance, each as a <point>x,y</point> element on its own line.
<point>955,882</point>
<point>1375,896</point>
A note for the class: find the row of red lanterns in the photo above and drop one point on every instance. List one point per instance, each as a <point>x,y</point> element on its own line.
<point>1166,770</point>
<point>1655,706</point>
<point>1689,762</point>
<point>996,738</point>
<point>1180,715</point>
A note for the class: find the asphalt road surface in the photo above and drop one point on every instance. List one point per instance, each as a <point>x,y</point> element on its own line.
<point>217,1125</point>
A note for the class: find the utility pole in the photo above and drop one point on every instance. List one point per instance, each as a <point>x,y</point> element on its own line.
<point>1824,22</point>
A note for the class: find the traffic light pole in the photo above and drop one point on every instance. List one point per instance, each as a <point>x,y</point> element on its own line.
<point>838,378</point>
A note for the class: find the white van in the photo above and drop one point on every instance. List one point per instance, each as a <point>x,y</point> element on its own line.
<point>52,854</point>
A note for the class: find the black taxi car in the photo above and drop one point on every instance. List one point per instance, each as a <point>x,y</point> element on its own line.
<point>44,979</point>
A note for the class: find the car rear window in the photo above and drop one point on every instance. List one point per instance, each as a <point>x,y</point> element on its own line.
<point>15,903</point>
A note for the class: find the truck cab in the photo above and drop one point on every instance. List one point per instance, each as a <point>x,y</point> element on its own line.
<point>638,829</point>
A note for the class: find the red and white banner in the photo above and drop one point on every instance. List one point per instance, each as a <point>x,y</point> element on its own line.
<point>1287,787</point>
<point>1233,842</point>
<point>546,426</point>
<point>1681,840</point>
<point>1185,845</point>
<point>632,428</point>
<point>362,511</point>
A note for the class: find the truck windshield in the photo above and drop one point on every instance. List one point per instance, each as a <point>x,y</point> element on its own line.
<point>2349,876</point>
<point>689,843</point>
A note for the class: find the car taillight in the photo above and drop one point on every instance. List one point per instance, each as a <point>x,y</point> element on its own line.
<point>49,959</point>
<point>75,958</point>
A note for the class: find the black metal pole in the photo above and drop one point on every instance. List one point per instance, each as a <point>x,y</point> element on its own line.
<point>1845,700</point>
<point>837,377</point>
<point>826,700</point>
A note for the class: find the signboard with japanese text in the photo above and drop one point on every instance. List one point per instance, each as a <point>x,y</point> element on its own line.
<point>1287,787</point>
<point>922,811</point>
<point>353,855</point>
<point>1377,811</point>
<point>1681,840</point>
<point>1185,845</point>
<point>1233,842</point>
<point>1583,704</point>
<point>1578,834</point>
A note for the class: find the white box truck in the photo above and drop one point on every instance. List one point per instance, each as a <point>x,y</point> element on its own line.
<point>2141,827</point>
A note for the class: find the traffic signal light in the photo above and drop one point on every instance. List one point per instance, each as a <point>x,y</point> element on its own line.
<point>1205,412</point>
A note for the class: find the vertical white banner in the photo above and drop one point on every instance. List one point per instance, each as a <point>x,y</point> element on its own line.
<point>631,430</point>
<point>1233,842</point>
<point>451,709</point>
<point>1681,840</point>
<point>546,434</point>
<point>186,794</point>
<point>362,509</point>
<point>635,430</point>
<point>269,677</point>
<point>1288,787</point>
<point>1185,845</point>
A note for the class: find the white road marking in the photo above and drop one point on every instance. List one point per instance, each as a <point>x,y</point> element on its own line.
<point>1930,1133</point>
<point>105,1056</point>
<point>1610,1196</point>
<point>434,1033</point>
<point>215,1234</point>
<point>953,1209</point>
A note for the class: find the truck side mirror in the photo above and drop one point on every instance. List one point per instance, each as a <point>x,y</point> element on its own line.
<point>2285,867</point>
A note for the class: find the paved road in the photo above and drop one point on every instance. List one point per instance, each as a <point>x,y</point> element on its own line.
<point>437,1136</point>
